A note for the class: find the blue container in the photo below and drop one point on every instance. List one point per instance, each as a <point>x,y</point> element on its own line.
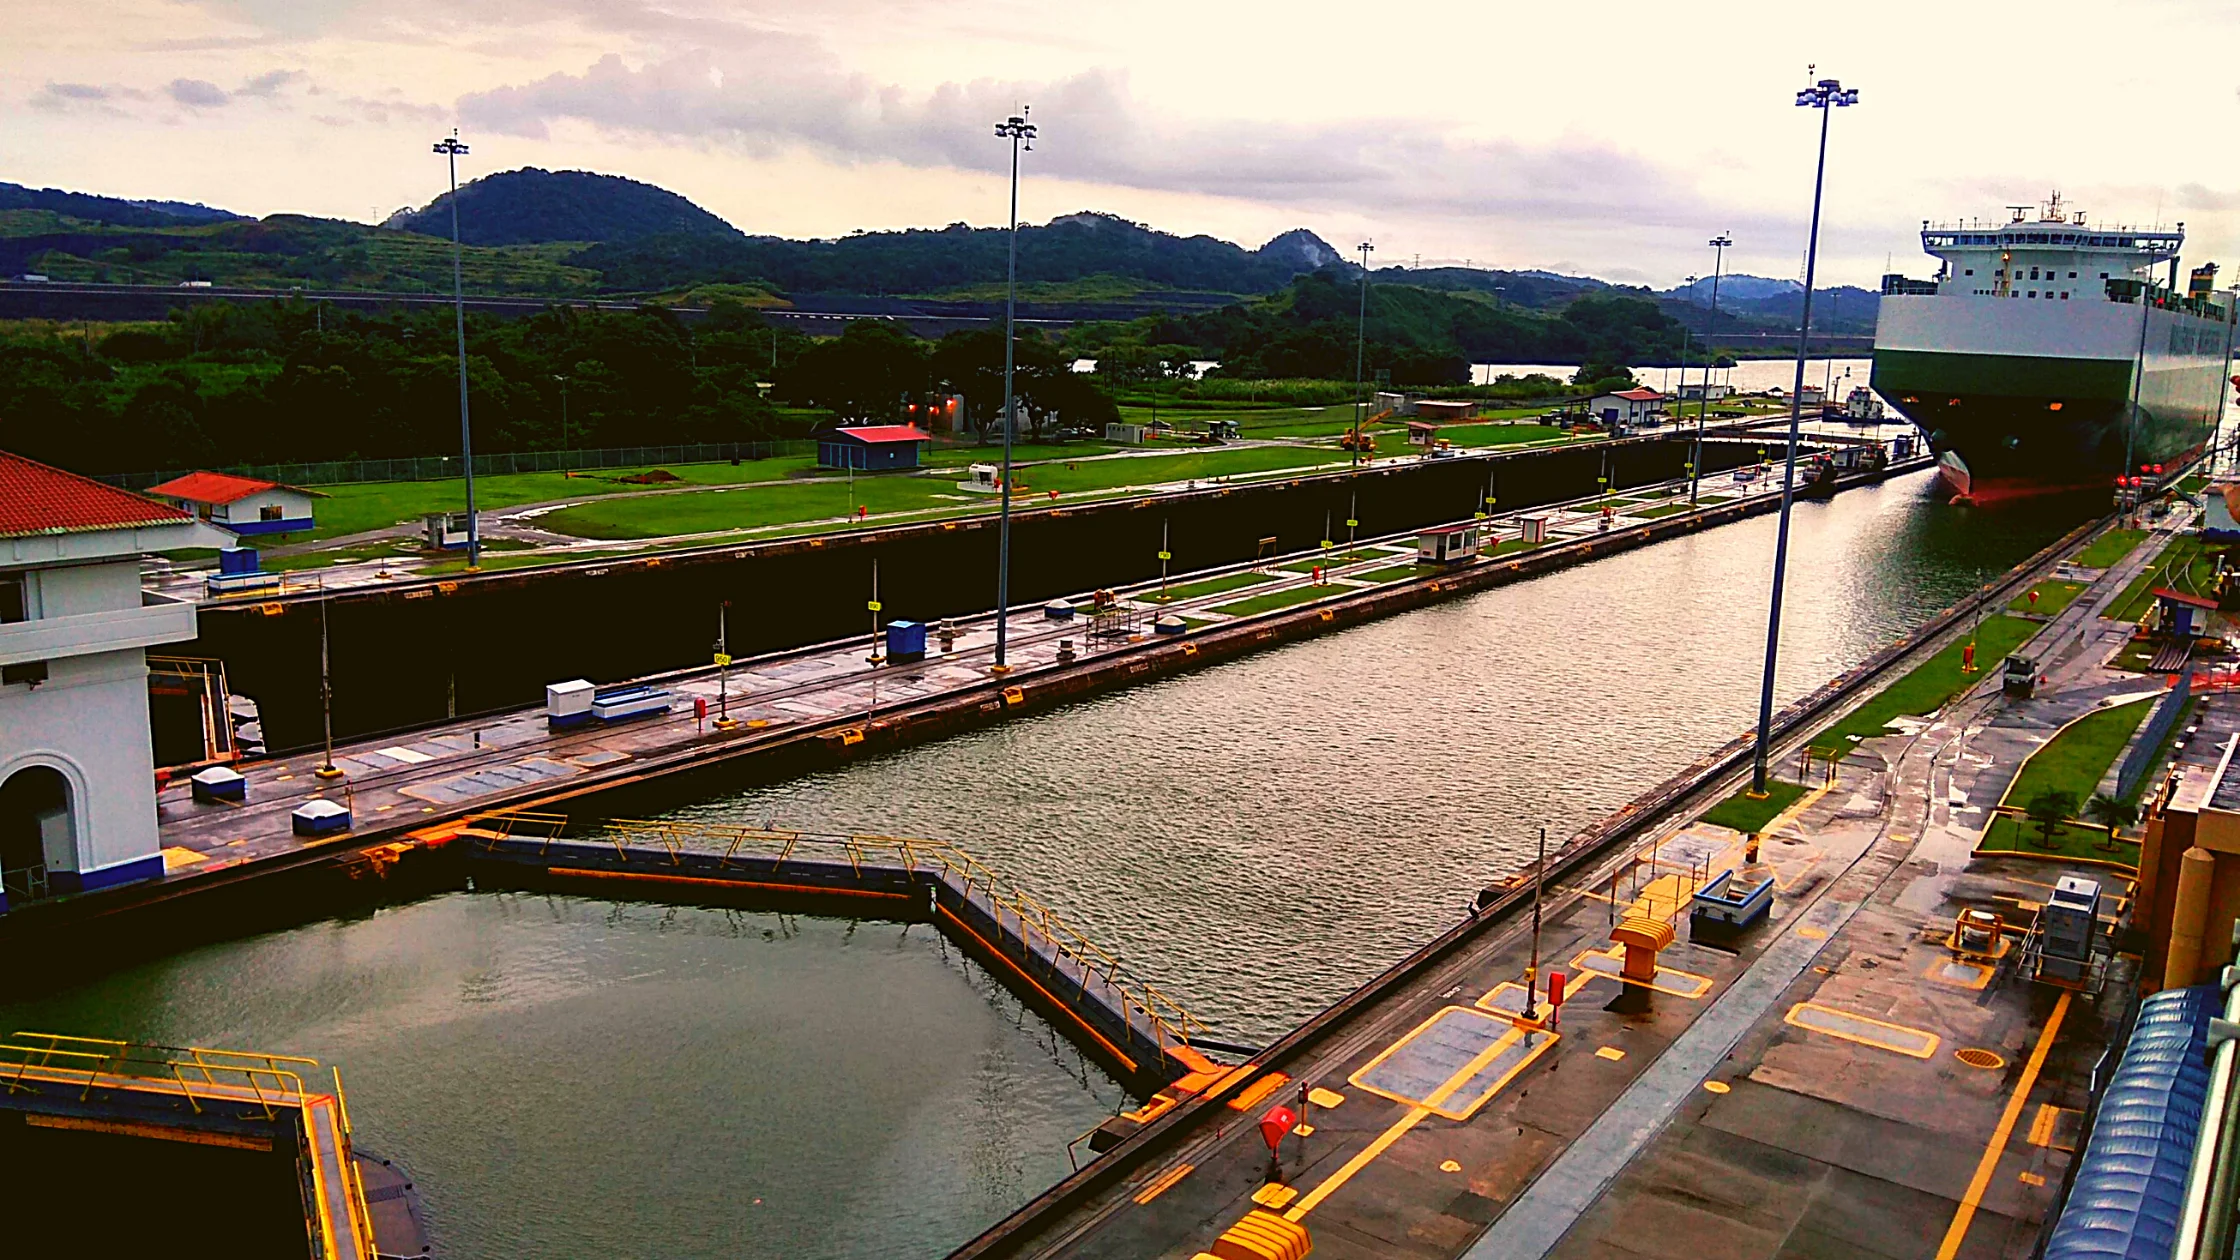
<point>219,784</point>
<point>906,641</point>
<point>236,561</point>
<point>320,818</point>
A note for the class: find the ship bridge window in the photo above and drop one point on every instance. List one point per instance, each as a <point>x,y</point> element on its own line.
<point>2072,275</point>
<point>2064,295</point>
<point>2033,293</point>
<point>1971,271</point>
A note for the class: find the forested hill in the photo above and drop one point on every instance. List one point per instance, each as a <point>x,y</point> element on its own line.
<point>962,261</point>
<point>533,207</point>
<point>109,210</point>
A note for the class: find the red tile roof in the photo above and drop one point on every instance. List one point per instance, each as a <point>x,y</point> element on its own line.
<point>214,487</point>
<point>2164,592</point>
<point>882,433</point>
<point>1639,395</point>
<point>36,499</point>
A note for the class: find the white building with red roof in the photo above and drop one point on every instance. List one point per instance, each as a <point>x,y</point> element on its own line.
<point>1627,408</point>
<point>245,505</point>
<point>77,761</point>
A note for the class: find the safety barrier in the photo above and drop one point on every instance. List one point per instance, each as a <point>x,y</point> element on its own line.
<point>140,1081</point>
<point>2140,757</point>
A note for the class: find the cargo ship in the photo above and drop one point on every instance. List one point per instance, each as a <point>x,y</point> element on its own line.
<point>2021,358</point>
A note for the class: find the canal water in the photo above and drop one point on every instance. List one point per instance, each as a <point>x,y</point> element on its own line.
<point>1260,837</point>
<point>569,1077</point>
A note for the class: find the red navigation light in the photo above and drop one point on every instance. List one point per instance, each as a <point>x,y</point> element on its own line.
<point>2158,470</point>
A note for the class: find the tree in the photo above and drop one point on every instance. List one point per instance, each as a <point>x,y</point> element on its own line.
<point>866,373</point>
<point>2111,812</point>
<point>2049,809</point>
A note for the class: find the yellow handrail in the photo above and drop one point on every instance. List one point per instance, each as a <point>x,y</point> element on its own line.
<point>1167,1016</point>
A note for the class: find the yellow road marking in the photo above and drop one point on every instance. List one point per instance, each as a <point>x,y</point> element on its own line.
<point>2044,1125</point>
<point>1163,1182</point>
<point>1966,1215</point>
<point>1274,1195</point>
<point>2032,1179</point>
<point>1717,1087</point>
<point>1611,1053</point>
<point>1916,1042</point>
<point>1321,1097</point>
<point>1368,1153</point>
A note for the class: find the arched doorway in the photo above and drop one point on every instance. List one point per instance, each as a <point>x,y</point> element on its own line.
<point>36,833</point>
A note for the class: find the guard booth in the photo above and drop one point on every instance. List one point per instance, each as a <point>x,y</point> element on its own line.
<point>2179,615</point>
<point>1451,544</point>
<point>2020,679</point>
<point>446,531</point>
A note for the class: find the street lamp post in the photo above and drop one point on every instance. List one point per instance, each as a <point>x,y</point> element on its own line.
<point>1019,132</point>
<point>1826,96</point>
<point>452,150</point>
<point>1718,245</point>
<point>1360,350</point>
<point>563,416</point>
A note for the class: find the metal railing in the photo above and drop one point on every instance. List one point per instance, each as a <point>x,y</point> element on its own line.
<point>201,1075</point>
<point>2205,1220</point>
<point>964,873</point>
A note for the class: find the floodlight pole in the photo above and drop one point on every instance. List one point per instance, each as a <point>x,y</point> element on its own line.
<point>1826,96</point>
<point>1360,351</point>
<point>1017,130</point>
<point>326,769</point>
<point>1718,245</point>
<point>1532,977</point>
<point>451,149</point>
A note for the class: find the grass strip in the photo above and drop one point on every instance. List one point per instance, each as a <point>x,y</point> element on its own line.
<point>2075,760</point>
<point>1274,600</point>
<point>2184,565</point>
<point>2071,841</point>
<point>2052,598</point>
<point>1928,686</point>
<point>1309,566</point>
<point>1398,573</point>
<point>2103,552</point>
<point>1743,813</point>
<point>1212,586</point>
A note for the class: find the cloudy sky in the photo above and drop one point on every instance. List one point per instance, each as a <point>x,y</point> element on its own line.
<point>1606,138</point>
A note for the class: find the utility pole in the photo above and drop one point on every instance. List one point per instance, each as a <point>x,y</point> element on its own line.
<point>1019,132</point>
<point>723,667</point>
<point>327,769</point>
<point>1719,246</point>
<point>1827,95</point>
<point>563,412</point>
<point>1532,977</point>
<point>452,150</point>
<point>1360,352</point>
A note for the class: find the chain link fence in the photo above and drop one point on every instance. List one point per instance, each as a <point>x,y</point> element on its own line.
<point>443,467</point>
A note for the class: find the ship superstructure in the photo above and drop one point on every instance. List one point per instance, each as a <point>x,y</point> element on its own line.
<point>2020,358</point>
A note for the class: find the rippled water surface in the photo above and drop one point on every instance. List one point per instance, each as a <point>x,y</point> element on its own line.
<point>567,1077</point>
<point>574,1078</point>
<point>1261,836</point>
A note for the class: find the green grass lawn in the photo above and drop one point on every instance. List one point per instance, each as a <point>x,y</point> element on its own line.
<point>1400,573</point>
<point>2052,598</point>
<point>350,509</point>
<point>2108,548</point>
<point>1744,814</point>
<point>1211,586</point>
<point>1930,684</point>
<point>2075,760</point>
<point>824,498</point>
<point>1663,509</point>
<point>2185,565</point>
<point>1332,561</point>
<point>2008,834</point>
<point>1274,600</point>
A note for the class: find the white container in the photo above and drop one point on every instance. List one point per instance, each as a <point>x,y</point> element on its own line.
<point>568,701</point>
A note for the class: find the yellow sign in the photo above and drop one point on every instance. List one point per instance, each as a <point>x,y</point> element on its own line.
<point>1166,555</point>
<point>873,605</point>
<point>723,658</point>
<point>1353,524</point>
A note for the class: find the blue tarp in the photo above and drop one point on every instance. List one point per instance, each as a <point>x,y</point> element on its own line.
<point>2131,1185</point>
